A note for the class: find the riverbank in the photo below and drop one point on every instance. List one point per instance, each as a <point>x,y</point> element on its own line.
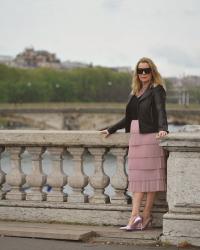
<point>80,116</point>
<point>85,105</point>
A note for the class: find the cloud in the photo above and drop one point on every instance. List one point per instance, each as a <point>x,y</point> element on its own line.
<point>112,5</point>
<point>177,55</point>
<point>106,32</point>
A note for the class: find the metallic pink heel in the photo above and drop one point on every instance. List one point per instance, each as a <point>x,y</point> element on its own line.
<point>148,223</point>
<point>123,228</point>
<point>133,225</point>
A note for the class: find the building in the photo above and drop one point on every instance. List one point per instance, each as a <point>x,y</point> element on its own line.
<point>36,58</point>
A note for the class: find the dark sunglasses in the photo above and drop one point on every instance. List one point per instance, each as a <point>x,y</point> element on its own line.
<point>143,70</point>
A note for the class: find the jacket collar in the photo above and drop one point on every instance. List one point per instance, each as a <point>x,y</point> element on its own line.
<point>146,93</point>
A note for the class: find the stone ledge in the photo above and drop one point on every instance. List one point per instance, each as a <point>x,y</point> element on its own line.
<point>182,216</point>
<point>67,205</point>
<point>182,142</point>
<point>45,231</point>
<point>62,138</point>
<point>182,136</point>
<point>73,215</point>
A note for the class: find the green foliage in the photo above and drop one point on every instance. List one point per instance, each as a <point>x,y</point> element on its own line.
<point>51,85</point>
<point>168,84</point>
<point>194,93</point>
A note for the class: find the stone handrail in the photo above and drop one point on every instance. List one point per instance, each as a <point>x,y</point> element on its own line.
<point>76,206</point>
<point>57,143</point>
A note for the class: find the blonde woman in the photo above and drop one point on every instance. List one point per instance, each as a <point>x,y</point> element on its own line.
<point>146,120</point>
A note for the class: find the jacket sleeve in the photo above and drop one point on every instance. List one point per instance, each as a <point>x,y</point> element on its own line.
<point>160,99</point>
<point>119,125</point>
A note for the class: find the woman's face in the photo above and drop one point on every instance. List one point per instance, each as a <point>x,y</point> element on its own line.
<point>144,72</point>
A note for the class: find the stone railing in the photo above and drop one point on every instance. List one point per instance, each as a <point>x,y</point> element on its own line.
<point>182,222</point>
<point>73,189</point>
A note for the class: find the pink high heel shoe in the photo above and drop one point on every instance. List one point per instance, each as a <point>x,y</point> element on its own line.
<point>148,223</point>
<point>134,224</point>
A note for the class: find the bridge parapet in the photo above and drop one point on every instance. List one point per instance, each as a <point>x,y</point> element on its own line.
<point>69,178</point>
<point>180,224</point>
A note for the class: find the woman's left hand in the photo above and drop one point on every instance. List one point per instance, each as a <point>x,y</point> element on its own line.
<point>161,134</point>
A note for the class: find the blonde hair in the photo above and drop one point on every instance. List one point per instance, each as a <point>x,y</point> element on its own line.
<point>156,77</point>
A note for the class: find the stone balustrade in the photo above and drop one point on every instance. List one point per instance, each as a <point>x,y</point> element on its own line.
<point>58,195</point>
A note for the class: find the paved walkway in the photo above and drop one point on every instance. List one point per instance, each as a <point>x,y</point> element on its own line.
<point>78,232</point>
<point>14,243</point>
<point>43,236</point>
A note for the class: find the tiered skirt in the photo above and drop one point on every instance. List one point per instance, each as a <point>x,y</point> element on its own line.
<point>146,162</point>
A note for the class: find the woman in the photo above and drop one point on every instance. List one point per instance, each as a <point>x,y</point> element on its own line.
<point>146,120</point>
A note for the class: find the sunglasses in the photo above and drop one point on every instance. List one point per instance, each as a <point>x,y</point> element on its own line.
<point>143,71</point>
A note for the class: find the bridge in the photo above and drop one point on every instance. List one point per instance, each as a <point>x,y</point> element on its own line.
<point>84,116</point>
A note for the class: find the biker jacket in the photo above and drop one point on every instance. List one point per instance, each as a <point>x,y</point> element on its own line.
<point>151,112</point>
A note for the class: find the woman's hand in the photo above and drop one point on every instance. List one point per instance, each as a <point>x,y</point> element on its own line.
<point>105,132</point>
<point>161,134</point>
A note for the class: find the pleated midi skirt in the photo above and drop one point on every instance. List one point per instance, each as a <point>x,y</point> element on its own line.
<point>146,162</point>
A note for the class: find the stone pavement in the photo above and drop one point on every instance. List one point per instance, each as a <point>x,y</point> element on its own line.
<point>31,236</point>
<point>14,243</point>
<point>78,232</point>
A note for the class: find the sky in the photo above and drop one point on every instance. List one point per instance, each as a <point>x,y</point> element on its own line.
<point>106,32</point>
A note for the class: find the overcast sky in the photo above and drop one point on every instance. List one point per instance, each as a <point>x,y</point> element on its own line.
<point>106,32</point>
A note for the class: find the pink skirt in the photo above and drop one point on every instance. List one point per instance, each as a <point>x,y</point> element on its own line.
<point>146,162</point>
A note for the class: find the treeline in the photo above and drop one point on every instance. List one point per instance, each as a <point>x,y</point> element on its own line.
<point>50,85</point>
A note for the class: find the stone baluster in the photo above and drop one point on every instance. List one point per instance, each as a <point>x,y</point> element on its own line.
<point>15,178</point>
<point>99,181</point>
<point>2,176</point>
<point>37,178</point>
<point>57,179</point>
<point>119,180</point>
<point>78,180</point>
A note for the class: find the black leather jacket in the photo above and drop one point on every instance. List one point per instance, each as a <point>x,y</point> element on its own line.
<point>151,112</point>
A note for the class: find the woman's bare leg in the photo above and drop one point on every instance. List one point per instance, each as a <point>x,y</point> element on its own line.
<point>137,199</point>
<point>148,205</point>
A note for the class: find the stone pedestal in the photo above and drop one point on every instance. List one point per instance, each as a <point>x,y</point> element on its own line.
<point>182,222</point>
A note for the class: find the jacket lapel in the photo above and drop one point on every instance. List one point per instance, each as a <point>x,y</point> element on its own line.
<point>130,98</point>
<point>146,94</point>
